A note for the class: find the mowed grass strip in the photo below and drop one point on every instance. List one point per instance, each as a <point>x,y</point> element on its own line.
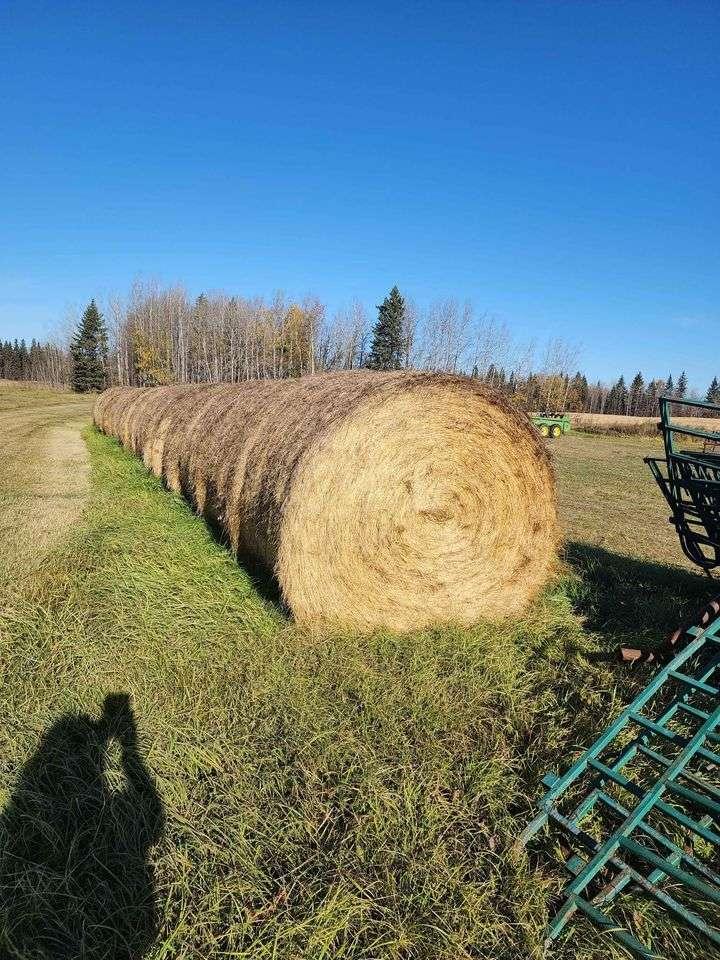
<point>43,472</point>
<point>322,796</point>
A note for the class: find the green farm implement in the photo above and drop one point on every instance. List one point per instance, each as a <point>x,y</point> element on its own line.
<point>551,424</point>
<point>640,809</point>
<point>689,478</point>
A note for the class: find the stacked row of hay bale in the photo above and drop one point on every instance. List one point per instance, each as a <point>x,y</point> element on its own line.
<point>376,499</point>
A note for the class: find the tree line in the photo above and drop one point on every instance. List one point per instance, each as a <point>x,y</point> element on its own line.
<point>160,335</point>
<point>43,362</point>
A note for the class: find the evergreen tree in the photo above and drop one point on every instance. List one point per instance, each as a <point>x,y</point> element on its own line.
<point>636,394</point>
<point>617,401</point>
<point>386,352</point>
<point>713,394</point>
<point>623,395</point>
<point>650,401</point>
<point>681,388</point>
<point>89,352</point>
<point>669,387</point>
<point>23,363</point>
<point>40,362</point>
<point>610,405</point>
<point>579,393</point>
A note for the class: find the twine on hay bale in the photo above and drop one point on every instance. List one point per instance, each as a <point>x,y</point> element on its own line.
<point>377,499</point>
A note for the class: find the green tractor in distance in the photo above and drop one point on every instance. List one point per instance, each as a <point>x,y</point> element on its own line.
<point>551,424</point>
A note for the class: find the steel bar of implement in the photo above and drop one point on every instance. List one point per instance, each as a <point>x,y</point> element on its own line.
<point>643,807</point>
<point>693,825</point>
<point>677,738</point>
<point>665,841</point>
<point>628,873</point>
<point>605,923</point>
<point>694,797</point>
<point>706,672</point>
<point>692,682</point>
<point>690,482</point>
<point>631,749</point>
<point>561,783</point>
<point>638,850</point>
<point>699,404</point>
<point>691,432</point>
<point>665,858</point>
<point>574,901</point>
<point>606,851</point>
<point>666,808</point>
<point>687,774</point>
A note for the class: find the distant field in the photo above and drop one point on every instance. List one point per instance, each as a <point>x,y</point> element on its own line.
<point>644,426</point>
<point>285,796</point>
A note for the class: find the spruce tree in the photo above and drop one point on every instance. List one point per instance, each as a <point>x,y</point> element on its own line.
<point>617,400</point>
<point>650,400</point>
<point>681,388</point>
<point>637,388</point>
<point>669,387</point>
<point>579,391</point>
<point>623,395</point>
<point>386,352</point>
<point>610,405</point>
<point>23,362</point>
<point>89,352</point>
<point>713,394</point>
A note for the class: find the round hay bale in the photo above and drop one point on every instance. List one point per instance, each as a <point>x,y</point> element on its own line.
<point>393,500</point>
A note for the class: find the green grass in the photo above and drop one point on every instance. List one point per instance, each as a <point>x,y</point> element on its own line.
<point>609,499</point>
<point>289,796</point>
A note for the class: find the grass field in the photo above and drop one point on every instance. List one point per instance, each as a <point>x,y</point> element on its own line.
<point>265,794</point>
<point>639,426</point>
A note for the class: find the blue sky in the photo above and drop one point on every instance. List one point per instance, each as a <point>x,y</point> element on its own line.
<point>557,162</point>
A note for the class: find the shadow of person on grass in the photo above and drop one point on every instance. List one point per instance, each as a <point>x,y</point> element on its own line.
<point>626,599</point>
<point>75,879</point>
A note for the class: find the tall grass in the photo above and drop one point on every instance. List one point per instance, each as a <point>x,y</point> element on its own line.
<point>322,797</point>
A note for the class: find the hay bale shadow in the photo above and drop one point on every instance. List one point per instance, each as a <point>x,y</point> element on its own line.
<point>630,601</point>
<point>75,878</point>
<point>263,580</point>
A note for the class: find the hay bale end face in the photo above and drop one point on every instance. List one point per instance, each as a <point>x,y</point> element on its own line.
<point>393,500</point>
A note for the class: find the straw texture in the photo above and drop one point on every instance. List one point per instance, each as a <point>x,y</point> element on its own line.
<point>393,500</point>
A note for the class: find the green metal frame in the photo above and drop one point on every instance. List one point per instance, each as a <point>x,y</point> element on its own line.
<point>690,482</point>
<point>641,796</point>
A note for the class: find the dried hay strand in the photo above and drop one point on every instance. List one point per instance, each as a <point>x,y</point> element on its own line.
<point>395,500</point>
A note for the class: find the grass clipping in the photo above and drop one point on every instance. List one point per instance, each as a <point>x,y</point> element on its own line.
<point>394,500</point>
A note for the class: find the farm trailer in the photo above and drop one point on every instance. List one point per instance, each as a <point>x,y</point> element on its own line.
<point>551,424</point>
